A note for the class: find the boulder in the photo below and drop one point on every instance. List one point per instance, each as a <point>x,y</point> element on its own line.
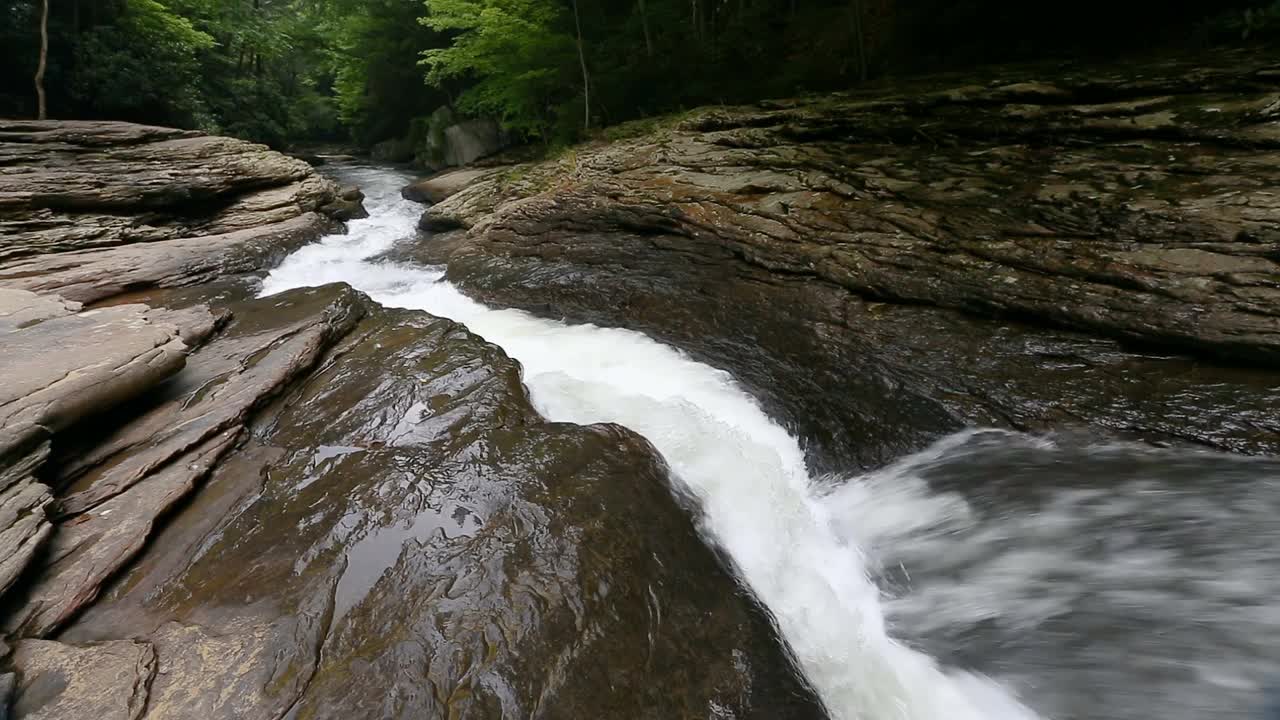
<point>349,205</point>
<point>469,140</point>
<point>397,150</point>
<point>403,536</point>
<point>443,185</point>
<point>444,140</point>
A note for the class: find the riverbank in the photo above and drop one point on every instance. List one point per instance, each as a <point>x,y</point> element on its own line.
<point>1095,249</point>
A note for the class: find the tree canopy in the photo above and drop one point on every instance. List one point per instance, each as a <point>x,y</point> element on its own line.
<point>286,71</point>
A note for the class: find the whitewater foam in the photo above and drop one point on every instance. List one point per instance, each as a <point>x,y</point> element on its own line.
<point>759,503</point>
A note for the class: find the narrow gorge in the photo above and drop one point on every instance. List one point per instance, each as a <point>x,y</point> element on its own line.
<point>952,399</point>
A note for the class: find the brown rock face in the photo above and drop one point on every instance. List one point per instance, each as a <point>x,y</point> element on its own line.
<point>107,681</point>
<point>112,492</point>
<point>416,542</point>
<point>840,236</point>
<point>92,209</point>
<point>59,365</point>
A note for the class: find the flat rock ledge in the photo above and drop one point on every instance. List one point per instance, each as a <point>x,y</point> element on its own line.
<point>1038,251</point>
<point>91,209</point>
<point>1141,205</point>
<point>442,186</point>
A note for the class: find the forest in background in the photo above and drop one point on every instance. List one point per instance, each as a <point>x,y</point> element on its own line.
<point>285,72</point>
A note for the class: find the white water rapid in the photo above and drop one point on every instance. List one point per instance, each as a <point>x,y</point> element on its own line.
<point>748,473</point>
<point>1096,581</point>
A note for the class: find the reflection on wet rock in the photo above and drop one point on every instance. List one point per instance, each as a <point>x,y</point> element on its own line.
<point>403,536</point>
<point>114,488</point>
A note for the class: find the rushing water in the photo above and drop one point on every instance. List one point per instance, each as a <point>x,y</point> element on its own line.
<point>985,576</point>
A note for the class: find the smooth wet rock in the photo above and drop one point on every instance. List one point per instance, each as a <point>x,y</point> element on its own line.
<point>436,549</point>
<point>113,486</point>
<point>439,187</point>
<point>865,382</point>
<point>105,681</point>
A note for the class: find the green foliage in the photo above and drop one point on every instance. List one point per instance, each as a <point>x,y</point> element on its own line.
<point>288,71</point>
<point>517,55</point>
<point>119,64</point>
<point>374,52</point>
<point>1256,23</point>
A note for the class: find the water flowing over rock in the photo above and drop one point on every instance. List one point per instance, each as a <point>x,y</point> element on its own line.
<point>436,549</point>
<point>841,235</point>
<point>220,506</point>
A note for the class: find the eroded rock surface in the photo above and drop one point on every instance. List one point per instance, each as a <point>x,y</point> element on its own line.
<point>436,549</point>
<point>105,681</point>
<point>840,235</point>
<point>92,209</point>
<point>303,505</point>
<point>77,185</point>
<point>58,365</point>
<point>113,489</point>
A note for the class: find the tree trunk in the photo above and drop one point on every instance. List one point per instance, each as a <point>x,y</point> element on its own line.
<point>861,38</point>
<point>41,109</point>
<point>644,24</point>
<point>586,78</point>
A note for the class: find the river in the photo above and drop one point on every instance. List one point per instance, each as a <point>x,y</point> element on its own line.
<point>993,575</point>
